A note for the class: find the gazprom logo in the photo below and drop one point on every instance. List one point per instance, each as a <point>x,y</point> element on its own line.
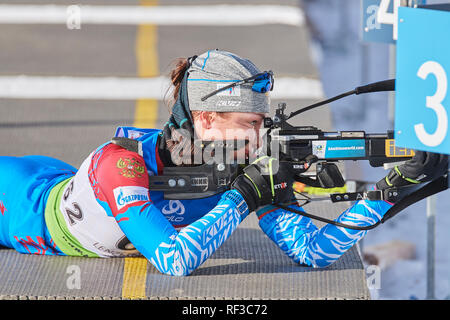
<point>130,194</point>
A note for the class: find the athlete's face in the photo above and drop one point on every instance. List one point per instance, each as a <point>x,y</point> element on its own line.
<point>231,126</point>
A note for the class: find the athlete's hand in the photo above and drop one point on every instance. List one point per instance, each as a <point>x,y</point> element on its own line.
<point>264,182</point>
<point>423,167</point>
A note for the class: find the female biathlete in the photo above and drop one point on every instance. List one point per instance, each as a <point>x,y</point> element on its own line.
<point>105,208</point>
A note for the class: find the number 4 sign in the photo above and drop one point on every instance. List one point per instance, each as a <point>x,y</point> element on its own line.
<point>379,19</point>
<point>383,16</point>
<point>423,70</point>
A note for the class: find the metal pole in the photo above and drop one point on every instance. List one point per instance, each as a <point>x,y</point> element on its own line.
<point>448,281</point>
<point>431,236</point>
<point>392,67</point>
<point>365,61</point>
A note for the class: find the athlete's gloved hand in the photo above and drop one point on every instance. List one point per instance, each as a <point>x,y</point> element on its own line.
<point>264,182</point>
<point>423,167</point>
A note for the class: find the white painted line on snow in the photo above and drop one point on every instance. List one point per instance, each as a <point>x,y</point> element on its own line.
<point>220,15</point>
<point>118,88</point>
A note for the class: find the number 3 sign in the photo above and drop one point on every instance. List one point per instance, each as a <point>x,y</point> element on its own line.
<point>423,69</point>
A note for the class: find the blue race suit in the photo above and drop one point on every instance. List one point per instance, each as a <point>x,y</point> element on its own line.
<point>104,209</point>
<point>25,184</point>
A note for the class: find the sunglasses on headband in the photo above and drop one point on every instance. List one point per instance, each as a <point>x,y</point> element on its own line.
<point>262,82</point>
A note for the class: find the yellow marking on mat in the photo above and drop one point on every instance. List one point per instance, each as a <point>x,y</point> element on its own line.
<point>146,115</point>
<point>134,278</point>
<point>393,151</point>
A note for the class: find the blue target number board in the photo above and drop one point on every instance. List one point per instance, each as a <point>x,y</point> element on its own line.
<point>422,104</point>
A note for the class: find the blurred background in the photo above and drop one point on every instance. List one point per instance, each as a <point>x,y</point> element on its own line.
<point>72,71</point>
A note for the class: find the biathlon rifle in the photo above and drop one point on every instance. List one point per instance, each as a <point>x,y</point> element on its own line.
<point>302,147</point>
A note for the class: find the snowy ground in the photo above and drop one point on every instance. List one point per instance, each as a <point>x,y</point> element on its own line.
<point>340,56</point>
<point>407,279</point>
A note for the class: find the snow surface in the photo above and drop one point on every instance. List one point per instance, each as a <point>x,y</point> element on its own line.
<point>407,279</point>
